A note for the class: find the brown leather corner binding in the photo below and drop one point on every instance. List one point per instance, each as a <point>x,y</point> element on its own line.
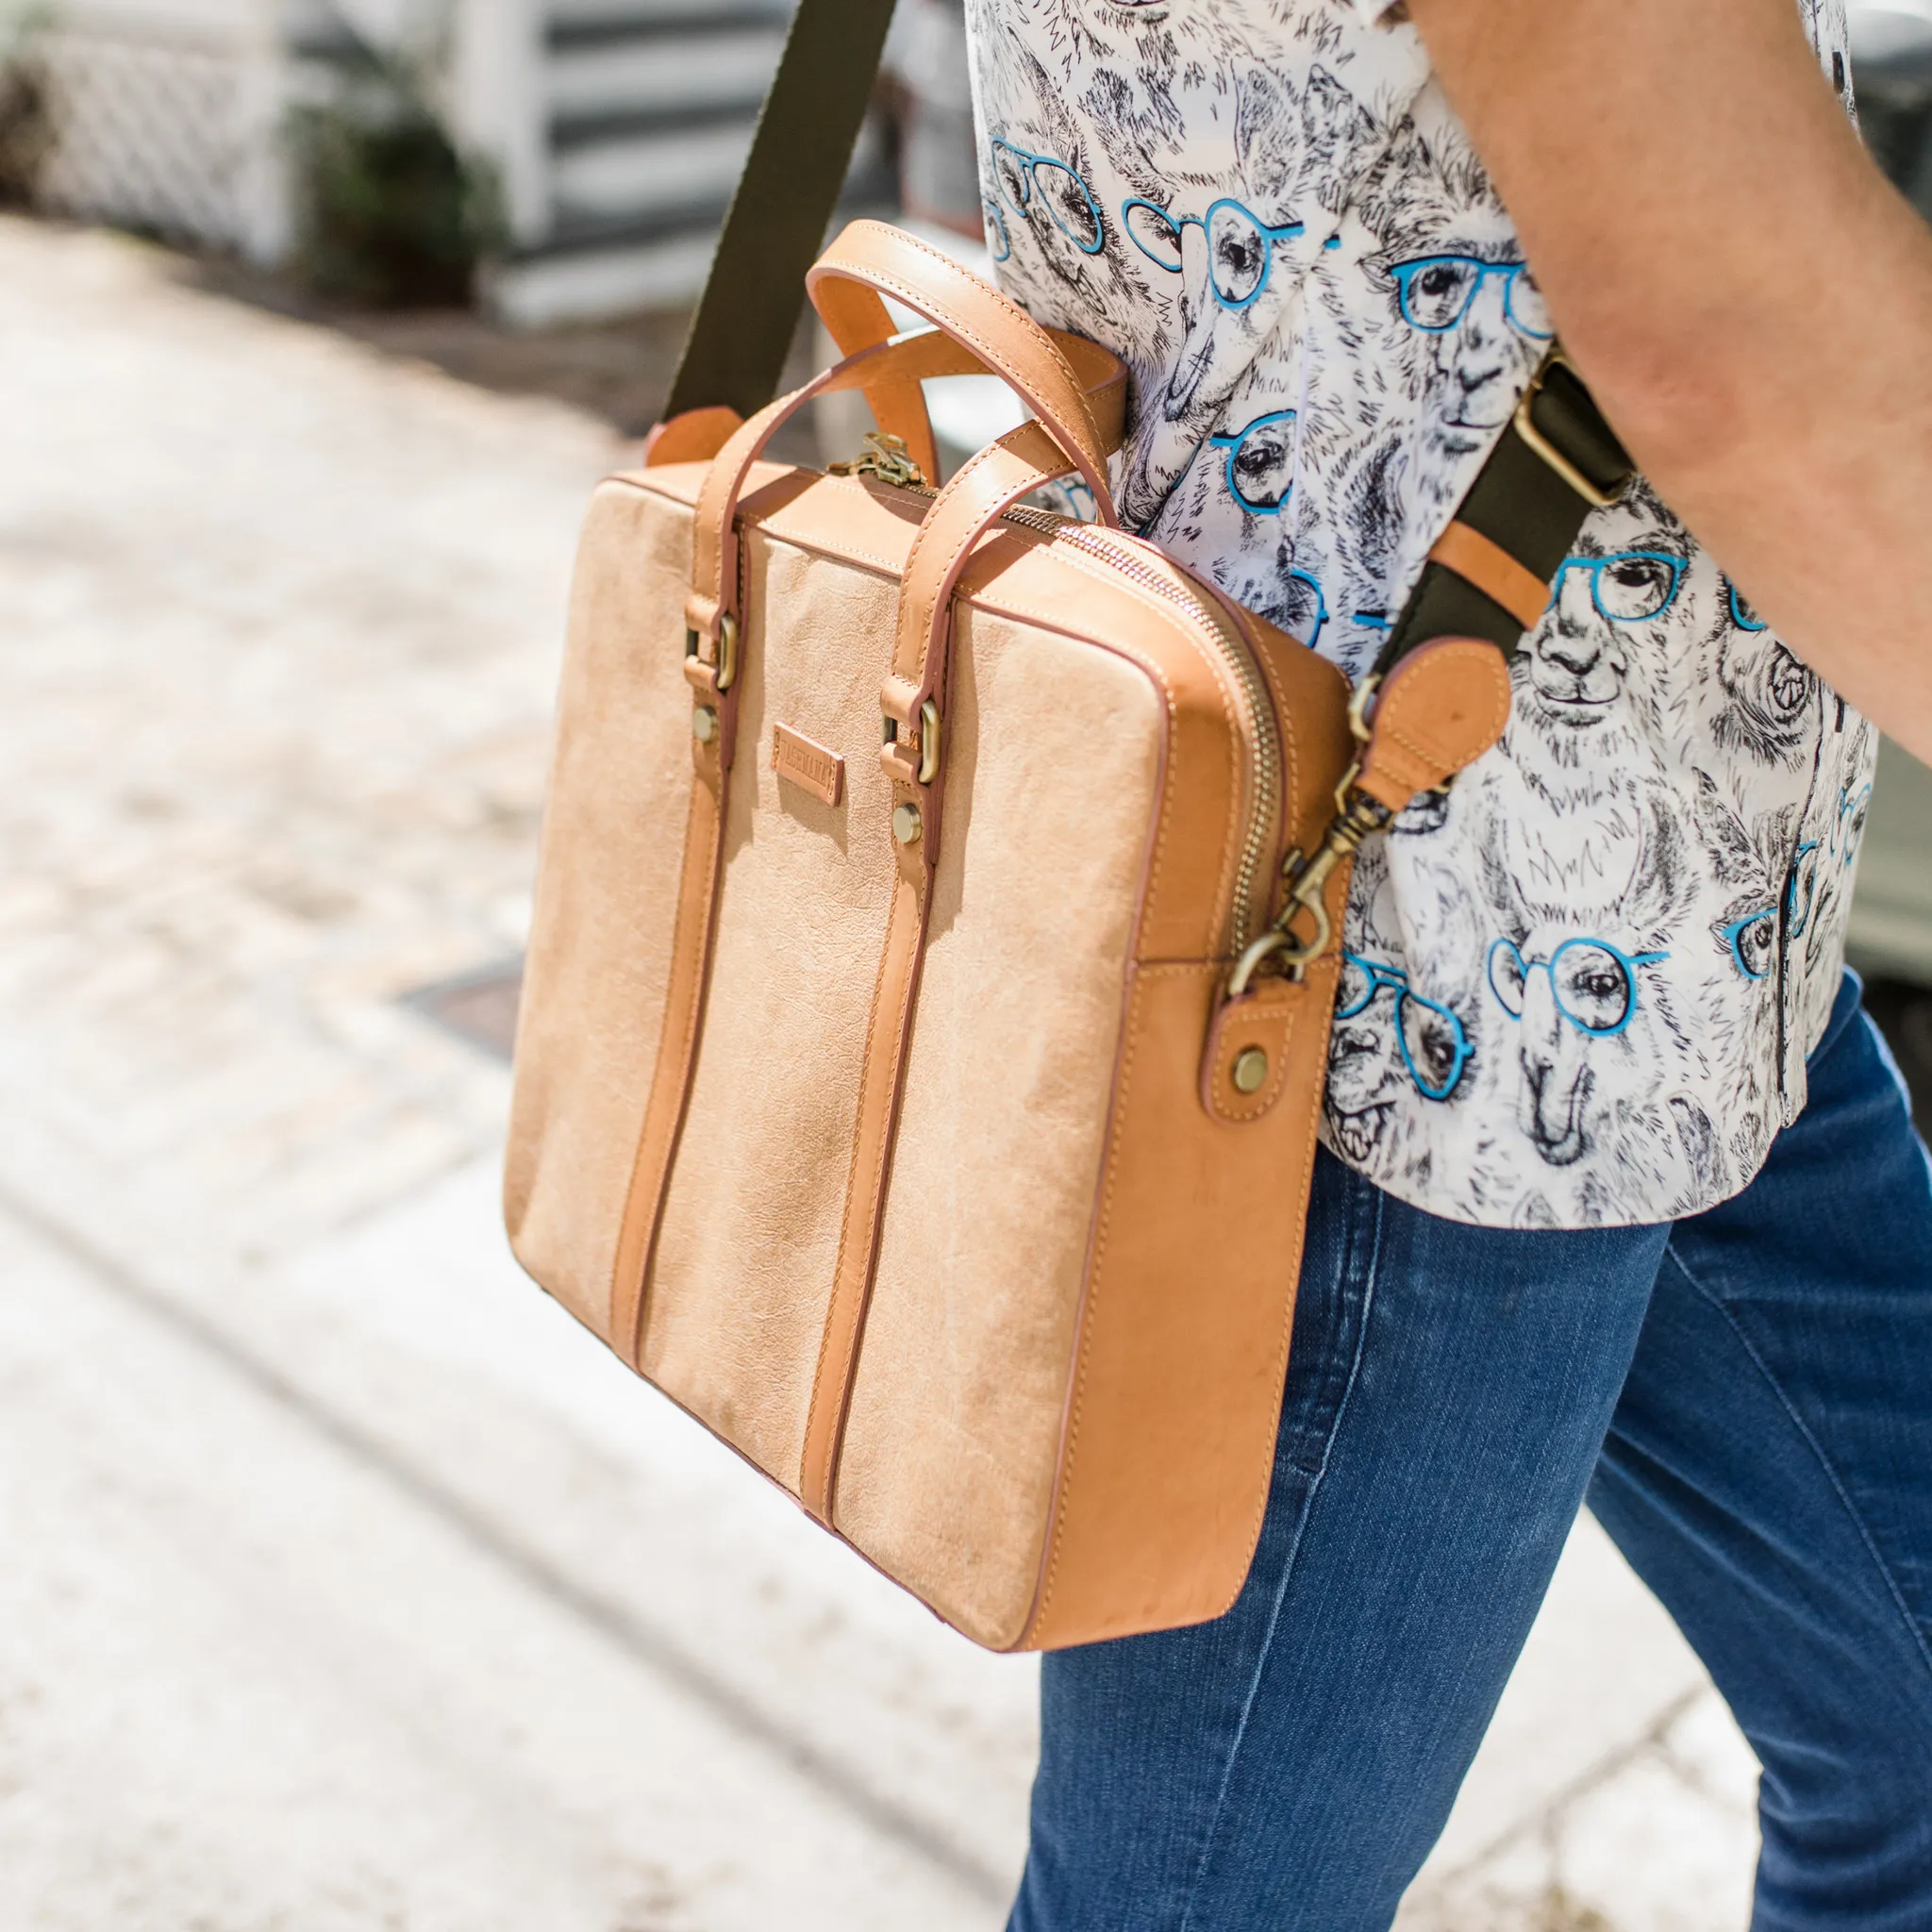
<point>1490,568</point>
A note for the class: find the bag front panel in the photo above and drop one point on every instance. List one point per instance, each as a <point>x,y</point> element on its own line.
<point>598,962</point>
<point>746,1249</point>
<point>1055,760</point>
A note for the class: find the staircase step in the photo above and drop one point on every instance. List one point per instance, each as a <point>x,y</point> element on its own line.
<point>586,22</point>
<point>703,73</point>
<point>641,175</point>
<point>565,282</point>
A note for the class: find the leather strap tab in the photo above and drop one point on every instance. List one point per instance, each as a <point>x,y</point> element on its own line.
<point>1438,711</point>
<point>1490,568</point>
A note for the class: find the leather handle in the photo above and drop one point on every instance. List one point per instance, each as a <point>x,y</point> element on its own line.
<point>1076,388</point>
<point>905,362</point>
<point>985,488</point>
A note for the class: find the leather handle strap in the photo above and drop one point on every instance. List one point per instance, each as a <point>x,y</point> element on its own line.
<point>986,488</point>
<point>1066,381</point>
<point>907,359</point>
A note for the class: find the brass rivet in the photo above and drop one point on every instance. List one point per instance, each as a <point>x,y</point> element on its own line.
<point>906,826</point>
<point>704,723</point>
<point>1250,1069</point>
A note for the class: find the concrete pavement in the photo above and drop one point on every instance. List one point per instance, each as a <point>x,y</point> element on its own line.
<point>348,1583</point>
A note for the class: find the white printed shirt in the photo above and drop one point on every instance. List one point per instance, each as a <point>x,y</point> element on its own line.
<point>1580,985</point>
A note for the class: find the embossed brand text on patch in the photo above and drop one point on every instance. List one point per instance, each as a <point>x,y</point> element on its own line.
<point>808,766</point>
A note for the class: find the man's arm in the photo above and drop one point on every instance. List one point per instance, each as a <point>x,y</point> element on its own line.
<point>1746,295</point>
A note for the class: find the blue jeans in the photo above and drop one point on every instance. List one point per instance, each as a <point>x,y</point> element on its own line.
<point>1745,1401</point>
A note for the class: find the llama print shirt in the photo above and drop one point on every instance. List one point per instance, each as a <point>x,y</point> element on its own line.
<point>1580,986</point>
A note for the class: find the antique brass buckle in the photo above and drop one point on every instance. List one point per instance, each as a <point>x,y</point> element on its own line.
<point>888,459</point>
<point>1525,423</point>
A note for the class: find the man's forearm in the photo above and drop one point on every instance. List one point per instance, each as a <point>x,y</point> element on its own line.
<point>1750,301</point>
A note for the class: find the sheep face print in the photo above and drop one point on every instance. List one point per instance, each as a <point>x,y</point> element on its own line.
<point>1580,986</point>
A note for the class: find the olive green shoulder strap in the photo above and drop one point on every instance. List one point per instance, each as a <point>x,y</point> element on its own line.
<point>785,200</point>
<point>1556,461</point>
<point>1488,573</point>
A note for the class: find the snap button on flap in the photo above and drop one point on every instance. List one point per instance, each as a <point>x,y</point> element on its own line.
<point>907,824</point>
<point>1250,1069</point>
<point>704,723</point>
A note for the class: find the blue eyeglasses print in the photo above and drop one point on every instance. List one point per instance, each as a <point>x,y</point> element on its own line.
<point>1436,292</point>
<point>1742,615</point>
<point>1753,937</point>
<point>1305,606</point>
<point>1628,585</point>
<point>1593,983</point>
<point>1848,822</point>
<point>1260,462</point>
<point>1240,245</point>
<point>1801,888</point>
<point>999,244</point>
<point>1069,202</point>
<point>1441,1036</point>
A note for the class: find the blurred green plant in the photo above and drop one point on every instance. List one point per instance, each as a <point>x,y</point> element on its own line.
<point>27,128</point>
<point>390,214</point>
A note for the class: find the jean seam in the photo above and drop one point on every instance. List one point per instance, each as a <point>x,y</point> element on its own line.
<point>1817,1448</point>
<point>1266,1646</point>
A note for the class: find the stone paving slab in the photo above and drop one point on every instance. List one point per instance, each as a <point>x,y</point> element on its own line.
<point>371,1589</point>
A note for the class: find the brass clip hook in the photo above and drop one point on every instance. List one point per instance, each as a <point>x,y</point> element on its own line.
<point>1306,879</point>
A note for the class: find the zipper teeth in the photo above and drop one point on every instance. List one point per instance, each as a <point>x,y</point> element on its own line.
<point>1264,764</point>
<point>1265,759</point>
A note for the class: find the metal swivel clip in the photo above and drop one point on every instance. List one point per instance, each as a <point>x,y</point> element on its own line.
<point>1304,878</point>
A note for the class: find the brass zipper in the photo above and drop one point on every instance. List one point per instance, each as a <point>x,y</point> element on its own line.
<point>1264,765</point>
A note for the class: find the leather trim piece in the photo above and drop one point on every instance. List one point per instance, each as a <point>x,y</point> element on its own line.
<point>1485,564</point>
<point>697,899</point>
<point>887,1032</point>
<point>1441,708</point>
<point>1262,1022</point>
<point>694,436</point>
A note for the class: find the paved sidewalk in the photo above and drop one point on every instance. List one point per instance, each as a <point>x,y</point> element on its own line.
<point>348,1584</point>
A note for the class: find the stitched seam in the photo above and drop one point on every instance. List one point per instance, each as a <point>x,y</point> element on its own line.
<point>980,291</point>
<point>871,1019</point>
<point>1288,1569</point>
<point>686,1054</point>
<point>1811,1441</point>
<point>995,359</point>
<point>1231,835</point>
<point>980,521</point>
<point>1103,1236</point>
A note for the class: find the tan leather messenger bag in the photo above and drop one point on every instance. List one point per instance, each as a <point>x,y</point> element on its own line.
<point>928,1003</point>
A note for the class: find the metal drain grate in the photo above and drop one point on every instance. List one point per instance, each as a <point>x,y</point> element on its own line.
<point>479,1007</point>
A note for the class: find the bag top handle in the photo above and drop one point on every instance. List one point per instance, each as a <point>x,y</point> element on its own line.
<point>1083,407</point>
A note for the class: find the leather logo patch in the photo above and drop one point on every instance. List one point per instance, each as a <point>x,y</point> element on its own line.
<point>808,766</point>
